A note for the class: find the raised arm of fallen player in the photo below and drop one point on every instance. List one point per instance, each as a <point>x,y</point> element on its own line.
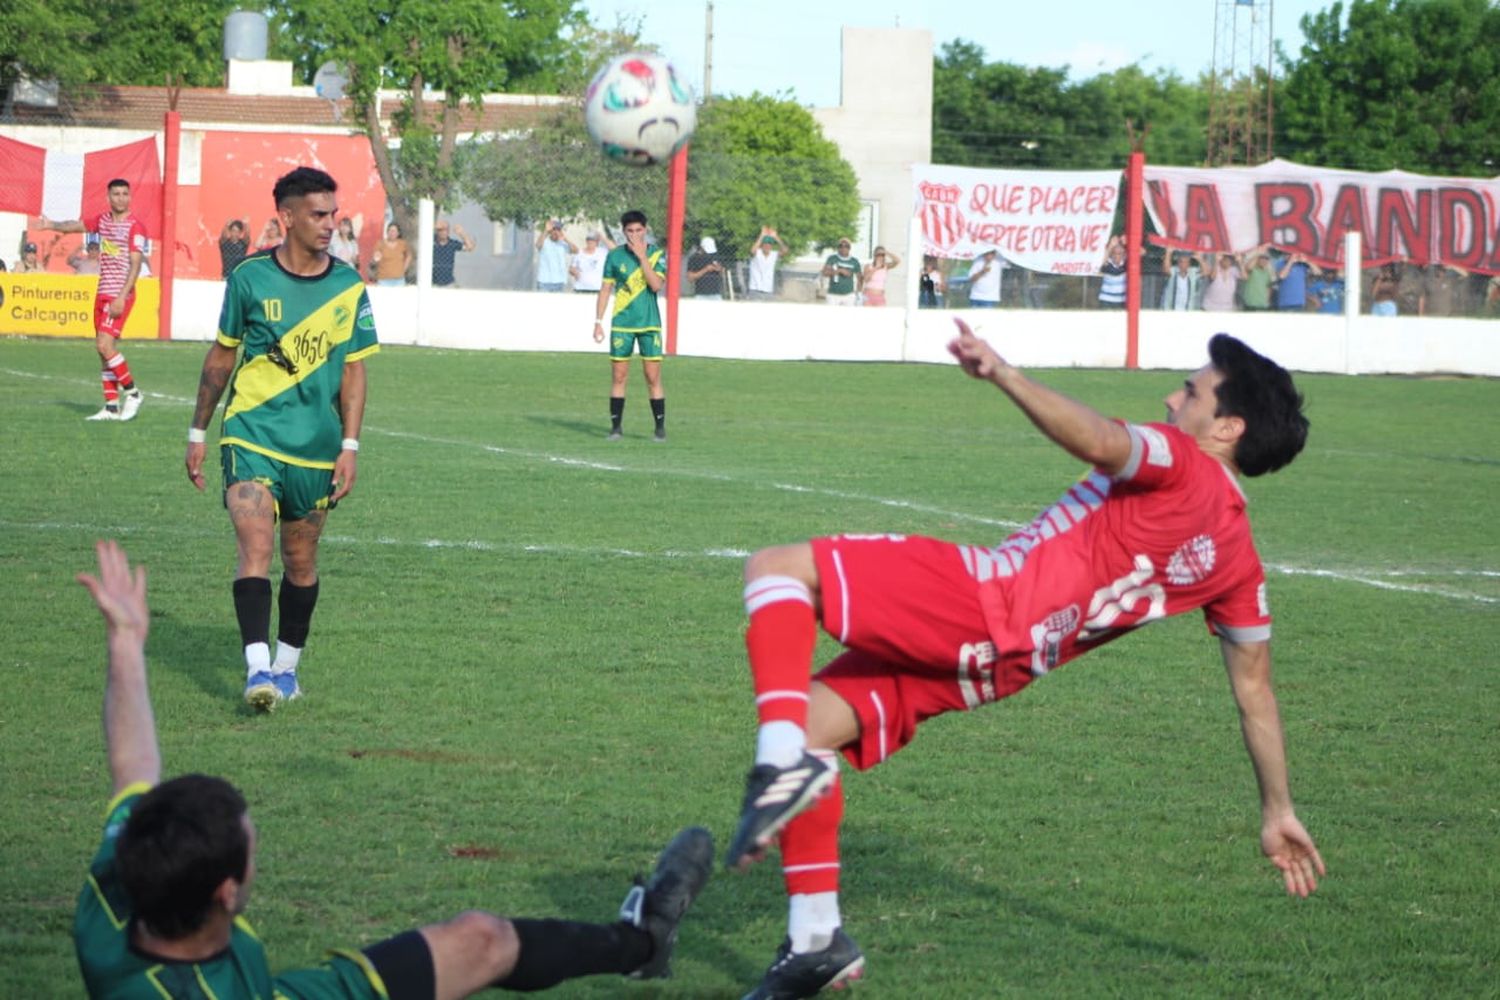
<point>1080,430</point>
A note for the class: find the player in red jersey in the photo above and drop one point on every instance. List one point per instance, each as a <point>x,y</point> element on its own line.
<point>1158,528</point>
<point>122,249</point>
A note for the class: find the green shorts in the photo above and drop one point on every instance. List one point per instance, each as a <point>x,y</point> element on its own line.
<point>344,975</point>
<point>622,344</point>
<point>296,489</point>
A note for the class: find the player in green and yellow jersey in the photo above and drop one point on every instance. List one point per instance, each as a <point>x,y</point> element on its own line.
<point>634,273</point>
<point>291,426</point>
<point>161,914</point>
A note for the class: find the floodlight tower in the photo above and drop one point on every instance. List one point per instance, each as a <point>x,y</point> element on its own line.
<point>1241,112</point>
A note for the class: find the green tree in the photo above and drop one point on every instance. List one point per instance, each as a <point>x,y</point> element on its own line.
<point>1006,115</point>
<point>763,160</point>
<point>555,170</point>
<point>464,48</point>
<point>1409,84</point>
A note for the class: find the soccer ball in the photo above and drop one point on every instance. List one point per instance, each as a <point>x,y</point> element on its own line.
<point>639,110</point>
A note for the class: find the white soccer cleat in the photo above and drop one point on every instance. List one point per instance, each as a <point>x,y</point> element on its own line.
<point>105,414</point>
<point>132,405</point>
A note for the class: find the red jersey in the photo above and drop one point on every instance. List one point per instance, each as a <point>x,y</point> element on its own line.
<point>1166,535</point>
<point>116,241</point>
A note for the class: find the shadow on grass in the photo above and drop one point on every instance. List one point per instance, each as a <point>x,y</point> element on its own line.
<point>204,651</point>
<point>596,429</point>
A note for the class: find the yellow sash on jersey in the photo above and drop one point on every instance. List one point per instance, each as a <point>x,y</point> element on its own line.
<point>636,283</point>
<point>307,346</point>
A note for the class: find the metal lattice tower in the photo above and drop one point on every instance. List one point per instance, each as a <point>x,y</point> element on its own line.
<point>1241,114</point>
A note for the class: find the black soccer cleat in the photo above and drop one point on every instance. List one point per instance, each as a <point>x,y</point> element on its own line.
<point>774,796</point>
<point>657,907</point>
<point>803,974</point>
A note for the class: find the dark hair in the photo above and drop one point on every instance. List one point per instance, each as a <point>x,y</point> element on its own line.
<point>118,182</point>
<point>1260,392</point>
<point>634,215</point>
<point>183,839</point>
<point>301,182</point>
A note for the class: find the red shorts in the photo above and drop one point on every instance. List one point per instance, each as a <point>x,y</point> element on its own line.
<point>908,612</point>
<point>104,322</point>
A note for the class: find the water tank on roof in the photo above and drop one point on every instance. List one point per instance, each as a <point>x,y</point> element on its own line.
<point>245,35</point>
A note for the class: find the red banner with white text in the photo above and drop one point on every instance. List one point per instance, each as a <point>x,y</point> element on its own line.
<point>1056,221</point>
<point>1308,210</point>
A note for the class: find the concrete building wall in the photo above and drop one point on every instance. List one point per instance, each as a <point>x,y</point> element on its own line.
<point>883,125</point>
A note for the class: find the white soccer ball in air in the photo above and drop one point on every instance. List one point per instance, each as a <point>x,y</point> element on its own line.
<point>639,110</point>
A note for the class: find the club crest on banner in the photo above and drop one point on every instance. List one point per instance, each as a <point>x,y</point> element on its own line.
<point>942,219</point>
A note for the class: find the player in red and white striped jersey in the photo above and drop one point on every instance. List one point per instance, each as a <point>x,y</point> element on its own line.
<point>1158,528</point>
<point>122,250</point>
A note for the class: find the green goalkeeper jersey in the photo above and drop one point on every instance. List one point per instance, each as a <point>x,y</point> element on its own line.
<point>113,968</point>
<point>298,334</point>
<point>636,310</point>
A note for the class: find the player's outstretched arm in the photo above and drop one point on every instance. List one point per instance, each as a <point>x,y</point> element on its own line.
<point>1282,836</point>
<point>1078,429</point>
<point>129,728</point>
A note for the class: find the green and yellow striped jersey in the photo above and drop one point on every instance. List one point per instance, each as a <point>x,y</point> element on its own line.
<point>636,310</point>
<point>298,333</point>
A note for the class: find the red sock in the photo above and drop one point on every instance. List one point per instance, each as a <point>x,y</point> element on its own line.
<point>111,388</point>
<point>121,371</point>
<point>783,631</point>
<point>810,843</point>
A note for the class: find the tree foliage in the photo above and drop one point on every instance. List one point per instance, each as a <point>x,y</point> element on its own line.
<point>763,160</point>
<point>754,161</point>
<point>1006,115</point>
<point>1409,84</point>
<point>463,48</point>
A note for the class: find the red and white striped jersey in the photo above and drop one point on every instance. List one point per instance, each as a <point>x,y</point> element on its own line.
<point>116,241</point>
<point>1168,534</point>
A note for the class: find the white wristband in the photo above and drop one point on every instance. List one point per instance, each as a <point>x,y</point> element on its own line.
<point>351,444</point>
<point>197,435</point>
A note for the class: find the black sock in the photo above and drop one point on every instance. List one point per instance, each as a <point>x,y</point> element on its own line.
<point>555,950</point>
<point>295,605</point>
<point>252,606</point>
<point>659,410</point>
<point>616,411</point>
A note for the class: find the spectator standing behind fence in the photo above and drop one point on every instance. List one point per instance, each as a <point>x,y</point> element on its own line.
<point>844,275</point>
<point>392,257</point>
<point>1326,294</point>
<point>1112,287</point>
<point>705,271</point>
<point>931,285</point>
<point>1183,289</point>
<point>1255,295</point>
<point>85,260</point>
<point>1383,293</point>
<point>1442,291</point>
<point>875,276</point>
<point>587,267</point>
<point>233,246</point>
<point>762,269</point>
<point>553,251</point>
<point>984,280</point>
<point>1224,275</point>
<point>28,264</point>
<point>270,236</point>
<point>344,244</point>
<point>1291,283</point>
<point>445,251</point>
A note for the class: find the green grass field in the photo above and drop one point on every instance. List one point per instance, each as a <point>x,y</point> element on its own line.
<point>526,672</point>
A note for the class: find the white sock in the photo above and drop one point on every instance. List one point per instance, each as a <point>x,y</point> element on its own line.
<point>286,658</point>
<point>780,743</point>
<point>811,920</point>
<point>257,658</point>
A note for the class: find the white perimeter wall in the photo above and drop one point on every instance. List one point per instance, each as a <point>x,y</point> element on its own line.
<point>477,319</point>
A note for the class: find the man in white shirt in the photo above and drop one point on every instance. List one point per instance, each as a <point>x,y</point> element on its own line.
<point>587,266</point>
<point>763,258</point>
<point>984,281</point>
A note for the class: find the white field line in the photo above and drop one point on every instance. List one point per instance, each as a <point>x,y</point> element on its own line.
<point>1379,579</point>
